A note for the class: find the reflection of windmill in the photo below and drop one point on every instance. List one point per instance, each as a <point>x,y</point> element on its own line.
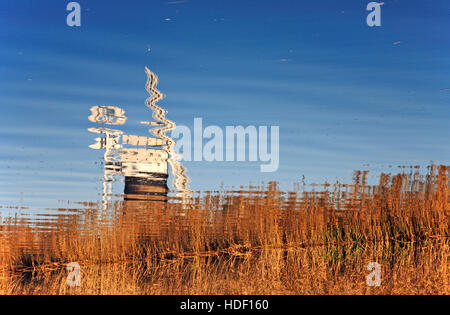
<point>143,161</point>
<point>109,115</point>
<point>145,170</point>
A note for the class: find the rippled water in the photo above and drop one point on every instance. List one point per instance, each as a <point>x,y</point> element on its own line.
<point>150,234</point>
<point>140,163</point>
<point>91,173</point>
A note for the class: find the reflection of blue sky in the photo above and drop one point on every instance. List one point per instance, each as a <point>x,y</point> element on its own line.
<point>343,96</point>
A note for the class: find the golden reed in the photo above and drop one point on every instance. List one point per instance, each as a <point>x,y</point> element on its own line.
<point>255,241</point>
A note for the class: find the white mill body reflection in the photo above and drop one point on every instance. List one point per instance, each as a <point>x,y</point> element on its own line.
<point>142,160</point>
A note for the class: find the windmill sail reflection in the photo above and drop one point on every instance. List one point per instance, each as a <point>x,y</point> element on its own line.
<point>181,180</point>
<point>142,160</point>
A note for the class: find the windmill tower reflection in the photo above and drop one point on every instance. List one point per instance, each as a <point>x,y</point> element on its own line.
<point>142,160</point>
<point>145,170</point>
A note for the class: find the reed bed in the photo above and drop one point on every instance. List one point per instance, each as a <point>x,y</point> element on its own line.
<point>262,234</point>
<point>406,269</point>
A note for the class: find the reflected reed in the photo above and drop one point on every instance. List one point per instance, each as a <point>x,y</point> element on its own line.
<point>255,240</point>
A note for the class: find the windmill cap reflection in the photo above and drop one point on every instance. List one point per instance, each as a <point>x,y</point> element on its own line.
<point>111,115</point>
